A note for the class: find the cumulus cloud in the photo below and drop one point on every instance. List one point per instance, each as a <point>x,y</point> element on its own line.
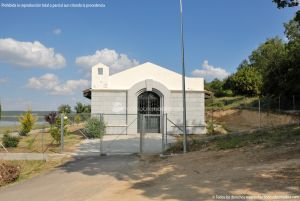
<point>210,72</point>
<point>51,84</point>
<point>3,80</point>
<point>29,54</point>
<point>57,31</point>
<point>116,61</point>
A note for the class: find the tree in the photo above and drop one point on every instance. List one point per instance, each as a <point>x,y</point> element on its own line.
<point>217,87</point>
<point>65,109</point>
<point>27,121</point>
<point>268,55</point>
<point>79,107</point>
<point>267,60</point>
<point>246,81</point>
<point>286,3</point>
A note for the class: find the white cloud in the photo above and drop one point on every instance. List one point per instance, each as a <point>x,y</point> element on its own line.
<point>57,31</point>
<point>3,80</point>
<point>210,72</point>
<point>117,62</point>
<point>29,54</point>
<point>51,84</point>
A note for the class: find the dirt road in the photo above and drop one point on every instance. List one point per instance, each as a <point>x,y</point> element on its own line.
<point>195,176</point>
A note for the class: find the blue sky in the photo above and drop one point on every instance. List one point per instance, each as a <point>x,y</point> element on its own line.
<point>218,36</point>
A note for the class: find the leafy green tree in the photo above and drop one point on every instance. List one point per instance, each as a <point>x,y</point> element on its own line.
<point>65,109</point>
<point>268,55</point>
<point>87,108</point>
<point>286,3</point>
<point>27,121</point>
<point>79,107</point>
<point>217,87</point>
<point>246,81</point>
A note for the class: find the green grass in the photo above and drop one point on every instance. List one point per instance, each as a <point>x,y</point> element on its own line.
<point>225,103</point>
<point>268,138</point>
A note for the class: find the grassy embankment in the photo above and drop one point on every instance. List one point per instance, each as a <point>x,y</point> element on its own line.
<point>288,135</point>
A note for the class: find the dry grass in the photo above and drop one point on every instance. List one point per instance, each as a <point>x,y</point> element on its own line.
<point>29,169</point>
<point>42,142</point>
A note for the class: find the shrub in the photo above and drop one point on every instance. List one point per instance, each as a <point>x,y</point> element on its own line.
<point>51,118</point>
<point>27,121</point>
<point>10,141</point>
<point>8,173</point>
<point>55,134</point>
<point>77,119</point>
<point>95,128</point>
<point>55,130</point>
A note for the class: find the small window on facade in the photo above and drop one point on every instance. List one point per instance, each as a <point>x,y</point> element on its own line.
<point>100,71</point>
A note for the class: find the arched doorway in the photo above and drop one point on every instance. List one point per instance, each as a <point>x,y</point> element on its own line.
<point>149,109</point>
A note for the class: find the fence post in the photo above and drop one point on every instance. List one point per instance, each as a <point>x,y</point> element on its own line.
<point>279,104</point>
<point>141,133</point>
<point>166,128</point>
<point>62,132</point>
<point>294,107</point>
<point>101,139</point>
<point>259,112</point>
<point>162,130</point>
<point>212,113</point>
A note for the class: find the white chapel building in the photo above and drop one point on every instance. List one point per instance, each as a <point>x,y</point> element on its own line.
<point>147,90</point>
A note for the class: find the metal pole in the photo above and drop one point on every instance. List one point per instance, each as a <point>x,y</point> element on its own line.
<point>141,133</point>
<point>61,132</point>
<point>279,104</point>
<point>163,134</point>
<point>100,138</point>
<point>183,84</point>
<point>212,113</point>
<point>259,112</point>
<point>294,108</point>
<point>166,128</point>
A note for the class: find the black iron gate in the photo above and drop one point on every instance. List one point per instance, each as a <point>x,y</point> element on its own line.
<point>149,112</point>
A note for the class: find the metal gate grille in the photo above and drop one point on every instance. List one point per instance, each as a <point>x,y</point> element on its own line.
<point>149,106</point>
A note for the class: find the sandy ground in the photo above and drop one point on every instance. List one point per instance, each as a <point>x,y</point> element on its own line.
<point>245,120</point>
<point>194,176</point>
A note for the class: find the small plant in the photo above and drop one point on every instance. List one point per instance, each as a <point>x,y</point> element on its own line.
<point>10,141</point>
<point>55,130</point>
<point>77,119</point>
<point>95,128</point>
<point>27,121</point>
<point>65,109</point>
<point>51,118</point>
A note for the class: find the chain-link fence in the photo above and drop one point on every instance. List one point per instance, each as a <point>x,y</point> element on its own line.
<point>235,114</point>
<point>123,133</point>
<point>36,132</point>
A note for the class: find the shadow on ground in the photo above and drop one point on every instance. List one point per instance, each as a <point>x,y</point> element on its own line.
<point>201,175</point>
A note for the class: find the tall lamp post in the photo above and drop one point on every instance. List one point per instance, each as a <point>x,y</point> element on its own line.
<point>183,84</point>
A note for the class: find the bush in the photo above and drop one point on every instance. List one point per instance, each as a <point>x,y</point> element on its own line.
<point>77,119</point>
<point>55,130</point>
<point>8,173</point>
<point>27,121</point>
<point>95,128</point>
<point>10,141</point>
<point>55,134</point>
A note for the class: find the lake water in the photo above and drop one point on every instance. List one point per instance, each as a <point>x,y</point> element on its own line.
<point>17,123</point>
